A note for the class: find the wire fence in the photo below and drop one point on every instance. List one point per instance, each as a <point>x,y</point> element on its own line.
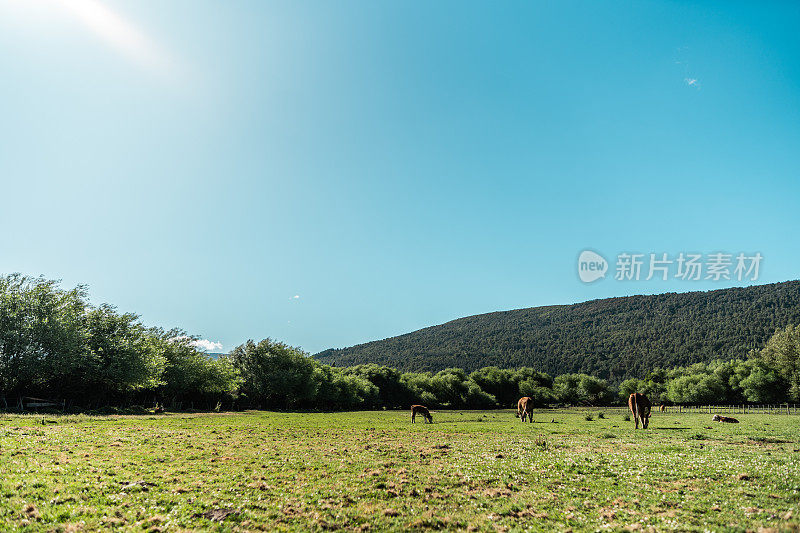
<point>743,409</point>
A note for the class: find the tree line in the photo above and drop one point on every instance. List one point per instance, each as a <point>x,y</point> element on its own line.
<point>54,344</point>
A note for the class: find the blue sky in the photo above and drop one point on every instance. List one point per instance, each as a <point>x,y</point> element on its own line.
<point>328,173</point>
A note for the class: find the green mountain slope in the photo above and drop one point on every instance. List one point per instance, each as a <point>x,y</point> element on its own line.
<point>615,338</point>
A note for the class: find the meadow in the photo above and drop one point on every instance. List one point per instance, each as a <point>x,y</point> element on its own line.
<point>368,471</point>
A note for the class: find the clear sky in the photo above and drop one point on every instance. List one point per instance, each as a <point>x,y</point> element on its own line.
<point>329,173</point>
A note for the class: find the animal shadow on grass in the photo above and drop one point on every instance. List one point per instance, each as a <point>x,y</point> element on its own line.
<point>481,419</point>
<point>770,440</point>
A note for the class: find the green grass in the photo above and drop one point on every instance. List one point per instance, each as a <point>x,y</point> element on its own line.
<point>375,471</point>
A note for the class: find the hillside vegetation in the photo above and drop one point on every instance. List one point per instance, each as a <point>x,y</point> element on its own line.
<point>55,345</point>
<point>614,338</point>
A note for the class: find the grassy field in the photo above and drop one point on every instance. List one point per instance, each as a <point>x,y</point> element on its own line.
<point>375,471</point>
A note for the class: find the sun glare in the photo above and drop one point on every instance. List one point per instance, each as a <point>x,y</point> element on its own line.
<point>107,24</point>
<point>114,30</point>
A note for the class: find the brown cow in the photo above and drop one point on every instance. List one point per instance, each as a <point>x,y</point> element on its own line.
<point>422,410</point>
<point>719,418</point>
<point>525,408</point>
<point>640,407</point>
<point>662,408</point>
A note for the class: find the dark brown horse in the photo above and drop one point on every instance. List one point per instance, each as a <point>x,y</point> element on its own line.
<point>525,408</point>
<point>422,410</point>
<point>640,408</point>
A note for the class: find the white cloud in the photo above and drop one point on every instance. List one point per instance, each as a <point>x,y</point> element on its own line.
<point>207,345</point>
<point>682,56</point>
<point>202,344</point>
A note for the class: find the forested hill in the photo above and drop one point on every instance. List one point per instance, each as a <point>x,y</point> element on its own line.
<point>614,338</point>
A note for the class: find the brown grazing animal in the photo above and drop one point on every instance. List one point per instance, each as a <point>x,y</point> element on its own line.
<point>422,410</point>
<point>640,408</point>
<point>662,408</point>
<point>525,408</point>
<point>718,418</point>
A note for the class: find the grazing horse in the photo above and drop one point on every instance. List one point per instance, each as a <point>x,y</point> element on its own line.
<point>525,408</point>
<point>640,407</point>
<point>422,410</point>
<point>718,418</point>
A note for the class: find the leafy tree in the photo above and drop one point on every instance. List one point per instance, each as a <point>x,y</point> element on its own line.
<point>476,398</point>
<point>452,388</point>
<point>782,353</point>
<point>653,387</point>
<point>41,335</point>
<point>421,388</point>
<point>336,390</point>
<point>763,385</point>
<point>275,374</point>
<point>190,375</point>
<point>566,389</point>
<point>629,386</point>
<point>594,390</point>
<point>502,383</point>
<point>540,395</point>
<point>657,376</point>
<point>393,393</point>
<point>695,389</point>
<point>122,357</point>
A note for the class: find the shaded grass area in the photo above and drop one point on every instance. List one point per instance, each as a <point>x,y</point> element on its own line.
<point>375,471</point>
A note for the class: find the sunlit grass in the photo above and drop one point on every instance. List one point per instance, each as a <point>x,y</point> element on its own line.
<point>374,470</point>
